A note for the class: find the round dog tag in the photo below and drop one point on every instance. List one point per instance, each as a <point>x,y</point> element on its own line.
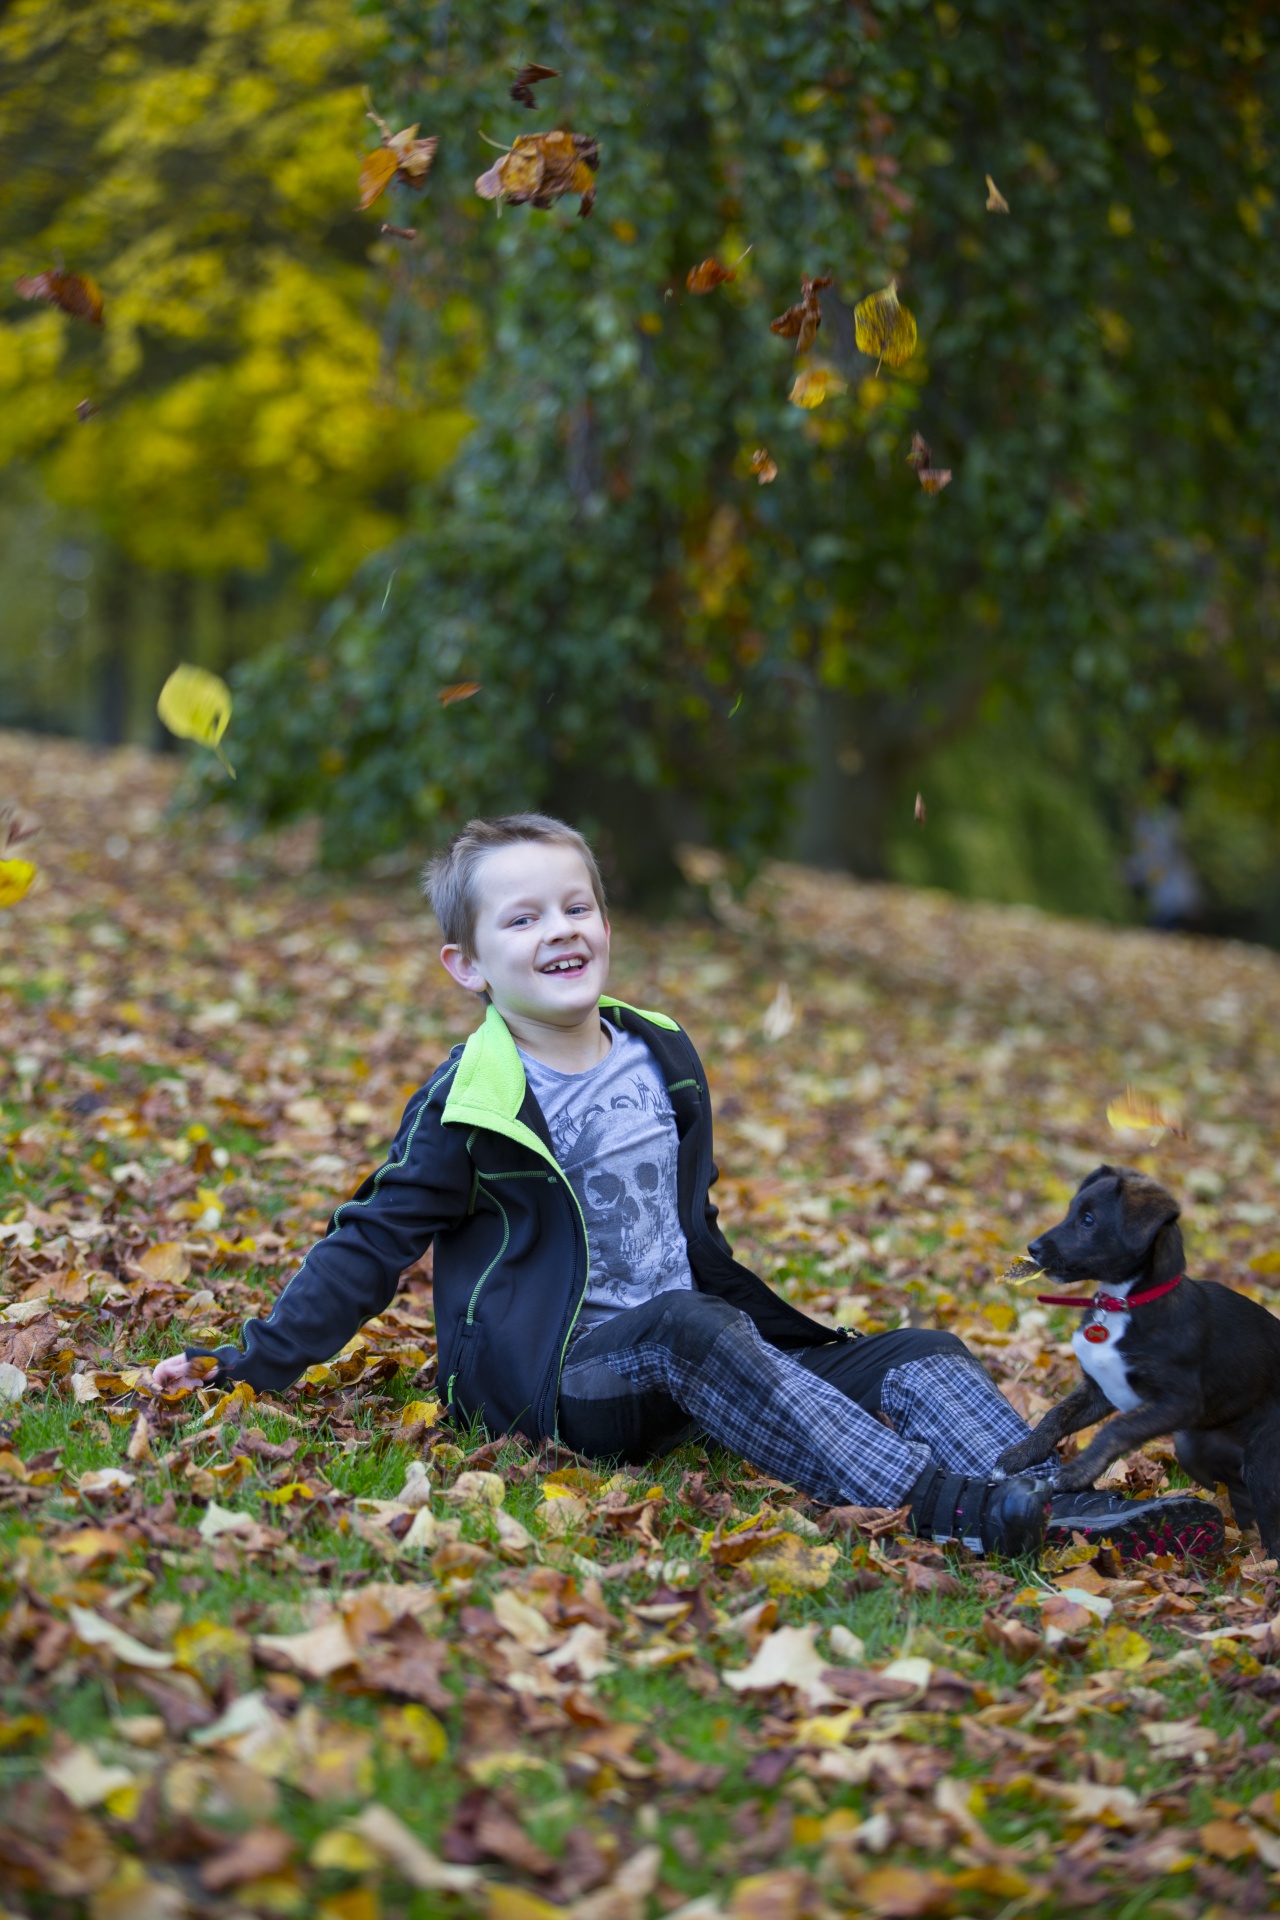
<point>1096,1333</point>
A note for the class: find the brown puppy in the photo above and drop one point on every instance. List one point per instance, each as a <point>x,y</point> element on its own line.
<point>1167,1354</point>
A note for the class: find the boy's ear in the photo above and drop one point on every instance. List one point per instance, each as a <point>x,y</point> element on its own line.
<point>463,968</point>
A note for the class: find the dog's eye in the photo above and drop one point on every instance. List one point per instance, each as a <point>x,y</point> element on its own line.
<point>1087,1218</point>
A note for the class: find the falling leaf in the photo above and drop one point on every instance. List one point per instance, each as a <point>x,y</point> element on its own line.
<point>780,1014</point>
<point>801,322</point>
<point>709,275</point>
<point>73,293</point>
<point>919,809</point>
<point>996,202</point>
<point>86,409</point>
<point>463,690</point>
<point>402,156</point>
<point>811,388</point>
<point>196,706</point>
<point>932,479</point>
<point>884,328</point>
<point>919,455</point>
<point>398,233</point>
<point>540,168</point>
<point>527,79</point>
<point>15,880</point>
<point>764,466</point>
<point>1138,1112</point>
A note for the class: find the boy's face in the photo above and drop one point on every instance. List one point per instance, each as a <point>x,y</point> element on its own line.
<point>541,942</point>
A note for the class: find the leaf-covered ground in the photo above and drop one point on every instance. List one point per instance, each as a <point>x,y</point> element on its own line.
<point>315,1655</point>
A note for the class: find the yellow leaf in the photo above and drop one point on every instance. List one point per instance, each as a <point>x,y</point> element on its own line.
<point>1123,1648</point>
<point>904,1892</point>
<point>214,1654</point>
<point>513,1903</point>
<point>1003,1883</point>
<point>428,1411</point>
<point>376,170</point>
<point>197,706</point>
<point>1138,1112</point>
<point>812,388</point>
<point>357,1903</point>
<point>15,879</point>
<point>342,1851</point>
<point>168,1260</point>
<point>417,1732</point>
<point>996,202</point>
<point>884,328</point>
<point>792,1565</point>
<point>1266,1262</point>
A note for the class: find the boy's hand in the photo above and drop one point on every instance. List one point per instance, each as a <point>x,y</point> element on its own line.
<point>177,1372</point>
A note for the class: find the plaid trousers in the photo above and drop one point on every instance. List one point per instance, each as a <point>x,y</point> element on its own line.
<point>683,1363</point>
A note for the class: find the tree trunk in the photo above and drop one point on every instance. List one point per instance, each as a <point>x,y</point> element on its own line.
<point>110,721</point>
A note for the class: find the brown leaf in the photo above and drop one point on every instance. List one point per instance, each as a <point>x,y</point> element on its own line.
<point>462,690</point>
<point>402,156</point>
<point>709,274</point>
<point>527,78</point>
<point>934,479</point>
<point>26,1347</point>
<point>919,455</point>
<point>801,322</point>
<point>919,809</point>
<point>904,1893</point>
<point>407,1662</point>
<point>85,410</point>
<point>73,293</point>
<point>764,466</point>
<point>540,168</point>
<point>263,1850</point>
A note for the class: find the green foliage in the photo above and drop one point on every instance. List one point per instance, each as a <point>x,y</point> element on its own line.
<point>1098,369</point>
<point>200,161</point>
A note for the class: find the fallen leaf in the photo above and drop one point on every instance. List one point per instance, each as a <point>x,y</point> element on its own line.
<point>262,1850</point>
<point>996,202</point>
<point>884,328</point>
<point>82,1777</point>
<point>401,1849</point>
<point>196,705</point>
<point>792,1565</point>
<point>904,1893</point>
<point>168,1261</point>
<point>317,1653</point>
<point>786,1657</point>
<point>94,1631</point>
<point>1227,1840</point>
<point>73,293</point>
<point>13,1383</point>
<point>1179,1739</point>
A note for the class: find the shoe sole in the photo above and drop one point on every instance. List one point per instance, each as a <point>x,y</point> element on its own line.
<point>1184,1528</point>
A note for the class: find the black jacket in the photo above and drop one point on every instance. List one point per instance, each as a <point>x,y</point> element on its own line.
<point>472,1170</point>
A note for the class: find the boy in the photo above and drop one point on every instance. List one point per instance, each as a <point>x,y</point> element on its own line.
<point>561,1163</point>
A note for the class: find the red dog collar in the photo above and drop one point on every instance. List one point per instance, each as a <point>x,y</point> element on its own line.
<point>1111,1302</point>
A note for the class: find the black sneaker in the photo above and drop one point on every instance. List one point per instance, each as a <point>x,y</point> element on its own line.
<point>987,1516</point>
<point>1176,1523</point>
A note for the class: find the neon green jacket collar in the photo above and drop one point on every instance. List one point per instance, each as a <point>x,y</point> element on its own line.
<point>488,1088</point>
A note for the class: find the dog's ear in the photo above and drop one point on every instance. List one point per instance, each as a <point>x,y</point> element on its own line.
<point>1166,1258</point>
<point>1146,1212</point>
<point>1099,1173</point>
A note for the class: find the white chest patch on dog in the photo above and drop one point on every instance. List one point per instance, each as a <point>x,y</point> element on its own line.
<point>1103,1360</point>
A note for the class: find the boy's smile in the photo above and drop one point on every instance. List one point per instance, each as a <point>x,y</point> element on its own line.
<point>541,951</point>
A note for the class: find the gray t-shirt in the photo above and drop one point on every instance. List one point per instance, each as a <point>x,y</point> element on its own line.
<point>614,1133</point>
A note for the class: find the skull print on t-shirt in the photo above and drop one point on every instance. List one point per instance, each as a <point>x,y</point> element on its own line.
<point>614,1133</point>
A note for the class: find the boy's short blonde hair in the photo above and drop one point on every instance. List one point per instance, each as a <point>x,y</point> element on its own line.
<point>449,881</point>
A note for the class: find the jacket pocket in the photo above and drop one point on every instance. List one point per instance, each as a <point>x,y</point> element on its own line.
<point>462,1368</point>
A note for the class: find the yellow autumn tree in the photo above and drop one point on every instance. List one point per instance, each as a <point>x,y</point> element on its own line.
<point>199,159</point>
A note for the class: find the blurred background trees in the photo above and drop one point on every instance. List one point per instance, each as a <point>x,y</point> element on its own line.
<point>1080,630</point>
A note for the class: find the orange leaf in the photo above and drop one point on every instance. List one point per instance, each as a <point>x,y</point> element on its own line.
<point>376,171</point>
<point>74,293</point>
<point>463,690</point>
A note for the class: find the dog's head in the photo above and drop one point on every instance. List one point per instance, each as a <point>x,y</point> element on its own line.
<point>1120,1223</point>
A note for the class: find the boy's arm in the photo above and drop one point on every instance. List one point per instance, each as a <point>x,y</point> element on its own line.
<point>352,1274</point>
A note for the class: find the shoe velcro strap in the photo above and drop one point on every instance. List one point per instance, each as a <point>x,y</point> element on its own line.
<point>969,1518</point>
<point>950,1496</point>
<point>924,1501</point>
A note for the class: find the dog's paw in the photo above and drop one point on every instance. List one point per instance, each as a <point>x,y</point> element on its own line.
<point>1071,1480</point>
<point>1018,1459</point>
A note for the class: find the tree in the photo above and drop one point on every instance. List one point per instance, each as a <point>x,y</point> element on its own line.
<point>661,642</point>
<point>200,160</point>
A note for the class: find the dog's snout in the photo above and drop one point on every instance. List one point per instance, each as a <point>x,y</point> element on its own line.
<point>1037,1247</point>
